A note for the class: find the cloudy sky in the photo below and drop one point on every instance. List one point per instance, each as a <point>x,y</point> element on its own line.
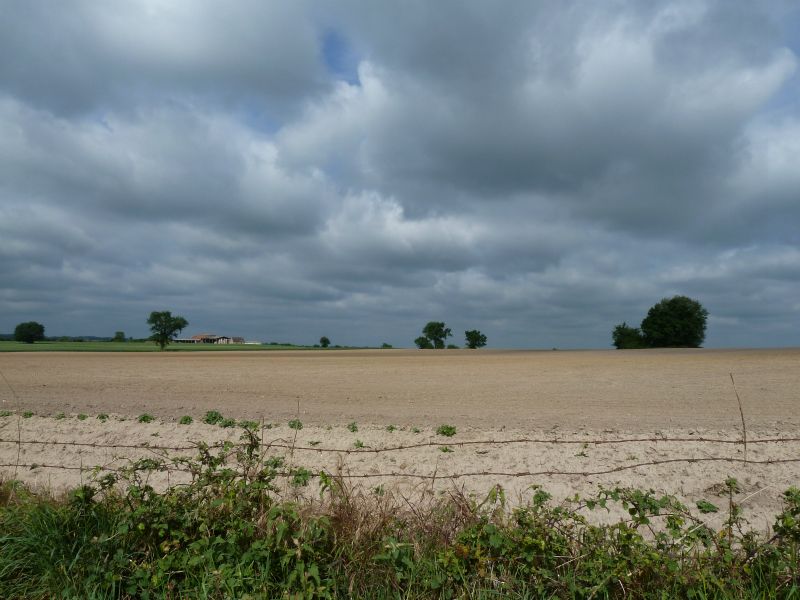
<point>282,170</point>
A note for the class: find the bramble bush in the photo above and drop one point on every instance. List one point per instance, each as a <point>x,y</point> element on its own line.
<point>228,532</point>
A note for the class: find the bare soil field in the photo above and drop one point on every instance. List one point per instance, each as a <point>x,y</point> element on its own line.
<point>644,390</point>
<point>561,407</point>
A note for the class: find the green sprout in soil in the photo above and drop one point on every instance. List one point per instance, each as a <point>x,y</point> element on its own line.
<point>27,414</point>
<point>213,417</point>
<point>146,418</point>
<point>185,420</point>
<point>353,427</point>
<point>446,430</point>
<point>295,424</point>
<point>102,417</point>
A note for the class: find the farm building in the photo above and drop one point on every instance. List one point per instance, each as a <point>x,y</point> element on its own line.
<point>209,338</point>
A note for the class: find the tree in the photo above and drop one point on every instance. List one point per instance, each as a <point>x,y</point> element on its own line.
<point>627,338</point>
<point>165,327</point>
<point>437,333</point>
<point>324,341</point>
<point>423,343</point>
<point>29,332</point>
<point>677,322</point>
<point>119,336</point>
<point>475,339</point>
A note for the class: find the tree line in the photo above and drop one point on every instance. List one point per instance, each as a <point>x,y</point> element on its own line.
<point>435,333</point>
<point>677,322</point>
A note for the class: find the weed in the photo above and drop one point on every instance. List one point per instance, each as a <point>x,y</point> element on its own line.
<point>415,430</point>
<point>358,444</point>
<point>82,417</point>
<point>352,427</point>
<point>185,420</point>
<point>102,417</point>
<point>226,533</point>
<point>27,414</point>
<point>445,449</point>
<point>146,418</point>
<point>5,413</point>
<point>446,430</point>
<point>391,428</point>
<point>300,477</point>
<point>295,424</point>
<point>213,417</point>
<point>252,425</point>
<point>227,423</point>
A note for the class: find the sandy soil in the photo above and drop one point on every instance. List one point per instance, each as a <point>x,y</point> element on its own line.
<point>579,397</point>
<point>592,389</point>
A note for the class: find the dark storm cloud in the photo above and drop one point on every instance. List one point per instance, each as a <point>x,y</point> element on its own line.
<point>540,172</point>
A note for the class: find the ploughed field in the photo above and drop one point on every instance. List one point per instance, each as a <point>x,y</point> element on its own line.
<point>352,403</point>
<point>648,389</point>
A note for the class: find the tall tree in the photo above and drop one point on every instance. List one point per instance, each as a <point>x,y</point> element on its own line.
<point>475,339</point>
<point>437,332</point>
<point>677,322</point>
<point>324,341</point>
<point>165,327</point>
<point>29,332</point>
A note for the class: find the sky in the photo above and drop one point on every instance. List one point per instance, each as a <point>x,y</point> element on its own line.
<point>540,171</point>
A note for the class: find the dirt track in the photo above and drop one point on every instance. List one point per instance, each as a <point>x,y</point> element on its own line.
<point>633,390</point>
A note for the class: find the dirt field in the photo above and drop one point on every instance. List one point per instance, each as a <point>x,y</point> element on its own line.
<point>579,397</point>
<point>593,389</point>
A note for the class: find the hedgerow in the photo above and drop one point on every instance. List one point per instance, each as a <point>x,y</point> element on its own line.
<point>230,532</point>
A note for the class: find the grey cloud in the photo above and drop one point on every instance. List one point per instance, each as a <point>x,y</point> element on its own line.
<point>540,172</point>
<point>85,56</point>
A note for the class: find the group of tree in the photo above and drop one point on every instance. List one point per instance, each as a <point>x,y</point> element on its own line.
<point>677,322</point>
<point>435,333</point>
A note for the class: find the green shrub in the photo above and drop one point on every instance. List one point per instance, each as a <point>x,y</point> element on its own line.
<point>185,420</point>
<point>353,427</point>
<point>27,414</point>
<point>446,430</point>
<point>82,417</point>
<point>102,417</point>
<point>295,424</point>
<point>146,418</point>
<point>227,423</point>
<point>213,417</point>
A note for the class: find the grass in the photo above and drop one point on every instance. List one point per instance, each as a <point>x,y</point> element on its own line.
<point>186,420</point>
<point>229,534</point>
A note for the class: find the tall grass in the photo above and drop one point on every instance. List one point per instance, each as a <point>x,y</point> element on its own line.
<point>229,533</point>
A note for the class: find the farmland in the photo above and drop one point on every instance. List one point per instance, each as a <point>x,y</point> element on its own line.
<point>430,430</point>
